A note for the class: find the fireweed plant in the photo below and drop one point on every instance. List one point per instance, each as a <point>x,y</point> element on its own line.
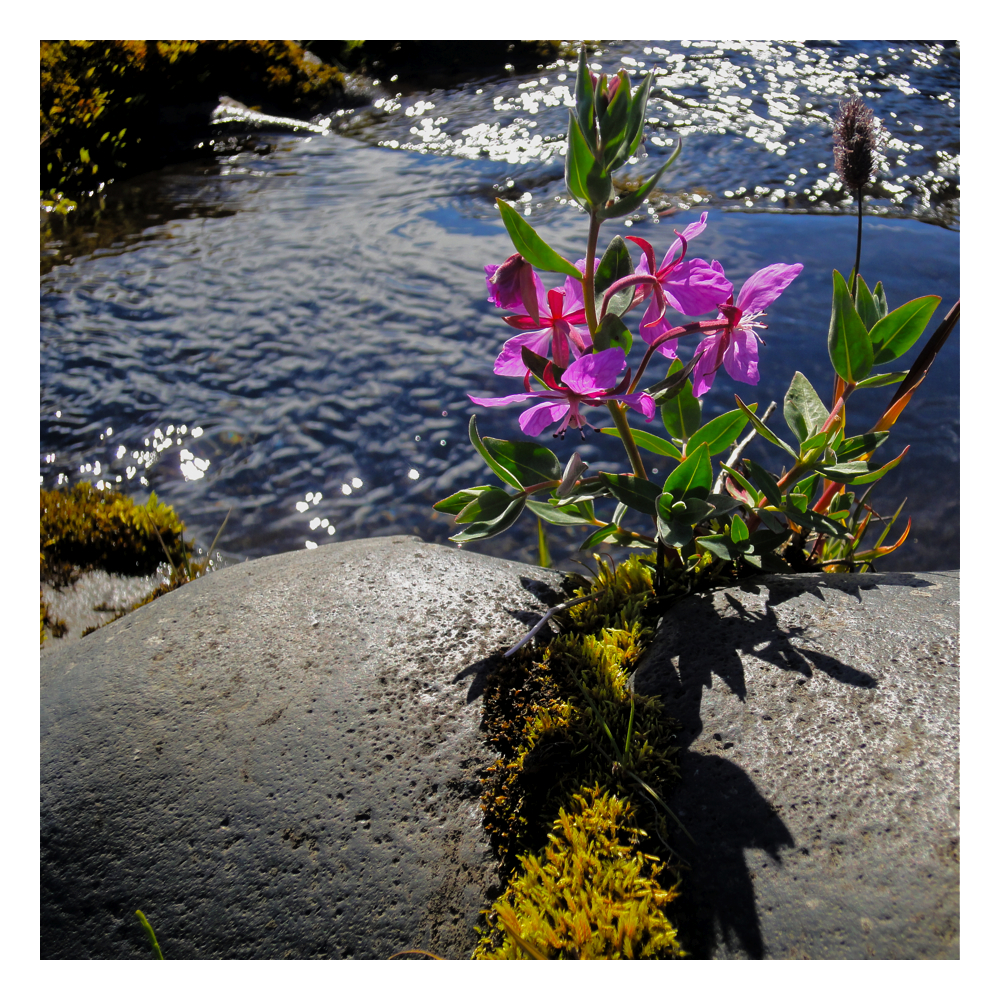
<point>573,355</point>
<point>581,755</point>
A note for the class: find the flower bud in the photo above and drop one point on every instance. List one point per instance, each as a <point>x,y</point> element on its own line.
<point>512,286</point>
<point>575,468</point>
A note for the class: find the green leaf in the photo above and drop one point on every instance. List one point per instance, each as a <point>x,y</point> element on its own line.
<point>531,246</point>
<point>696,510</point>
<point>867,309</point>
<point>720,432</point>
<point>614,121</point>
<point>764,540</point>
<point>693,477</point>
<point>500,470</point>
<point>868,474</point>
<point>765,481</point>
<point>810,519</point>
<point>738,531</point>
<point>681,414</point>
<point>636,119</point>
<point>579,162</point>
<point>674,533</point>
<point>568,514</point>
<point>616,263</point>
<point>894,335</point>
<point>804,411</point>
<point>584,94</point>
<point>723,504</point>
<point>458,501</point>
<point>485,506</point>
<point>487,529</point>
<point>745,483</point>
<point>848,342</point>
<point>595,539</point>
<point>650,442</point>
<point>860,445</point>
<point>762,428</point>
<point>889,378</point>
<point>718,545</point>
<point>530,463</point>
<point>630,202</point>
<point>612,332</point>
<point>632,491</point>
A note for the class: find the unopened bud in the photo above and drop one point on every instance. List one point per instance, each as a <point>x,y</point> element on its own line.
<point>575,468</point>
<point>512,286</point>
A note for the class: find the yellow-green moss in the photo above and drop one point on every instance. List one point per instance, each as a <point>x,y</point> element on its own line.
<point>559,718</point>
<point>83,529</point>
<point>591,894</point>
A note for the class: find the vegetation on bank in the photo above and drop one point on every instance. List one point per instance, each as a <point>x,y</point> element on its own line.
<point>112,108</point>
<point>84,529</point>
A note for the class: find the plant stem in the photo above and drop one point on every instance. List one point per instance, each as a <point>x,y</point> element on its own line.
<point>588,275</point>
<point>621,422</point>
<point>857,255</point>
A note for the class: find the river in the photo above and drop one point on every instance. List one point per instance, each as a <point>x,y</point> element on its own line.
<point>292,333</point>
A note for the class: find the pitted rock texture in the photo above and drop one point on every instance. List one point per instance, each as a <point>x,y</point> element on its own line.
<point>821,777</point>
<point>280,760</point>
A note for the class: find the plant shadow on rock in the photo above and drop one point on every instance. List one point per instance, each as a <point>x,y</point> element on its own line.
<point>716,798</point>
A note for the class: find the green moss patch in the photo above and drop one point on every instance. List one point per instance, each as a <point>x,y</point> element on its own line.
<point>573,806</point>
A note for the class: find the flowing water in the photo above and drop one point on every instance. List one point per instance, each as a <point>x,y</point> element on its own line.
<point>293,333</point>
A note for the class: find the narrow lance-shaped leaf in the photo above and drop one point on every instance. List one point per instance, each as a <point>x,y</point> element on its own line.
<point>804,411</point>
<point>458,501</point>
<point>650,442</point>
<point>569,515</point>
<point>867,308</point>
<point>530,463</point>
<point>630,202</point>
<point>584,96</point>
<point>616,263</point>
<point>485,506</point>
<point>579,162</point>
<point>632,491</point>
<point>487,529</point>
<point>894,335</point>
<point>849,343</point>
<point>477,443</point>
<point>531,246</point>
<point>612,332</point>
<point>693,477</point>
<point>763,430</point>
<point>720,432</point>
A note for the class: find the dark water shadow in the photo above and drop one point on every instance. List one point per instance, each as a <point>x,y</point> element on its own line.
<point>716,799</point>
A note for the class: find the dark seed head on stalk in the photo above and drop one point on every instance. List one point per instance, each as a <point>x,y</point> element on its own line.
<point>855,142</point>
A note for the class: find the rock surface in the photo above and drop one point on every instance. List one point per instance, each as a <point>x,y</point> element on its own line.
<point>821,776</point>
<point>279,759</point>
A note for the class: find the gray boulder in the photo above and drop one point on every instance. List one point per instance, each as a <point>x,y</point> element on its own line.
<point>279,760</point>
<point>820,779</point>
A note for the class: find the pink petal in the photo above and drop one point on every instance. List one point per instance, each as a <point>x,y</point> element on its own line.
<point>653,325</point>
<point>574,295</point>
<point>741,357</point>
<point>640,401</point>
<point>518,397</point>
<point>509,359</point>
<point>694,287</point>
<point>762,288</point>
<point>536,418</point>
<point>689,233</point>
<point>595,372</point>
<point>707,353</point>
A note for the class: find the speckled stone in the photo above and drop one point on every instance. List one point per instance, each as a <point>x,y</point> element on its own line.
<point>280,760</point>
<point>821,776</point>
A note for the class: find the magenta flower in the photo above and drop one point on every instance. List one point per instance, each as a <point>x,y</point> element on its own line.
<point>692,287</point>
<point>554,319</point>
<point>736,345</point>
<point>589,380</point>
